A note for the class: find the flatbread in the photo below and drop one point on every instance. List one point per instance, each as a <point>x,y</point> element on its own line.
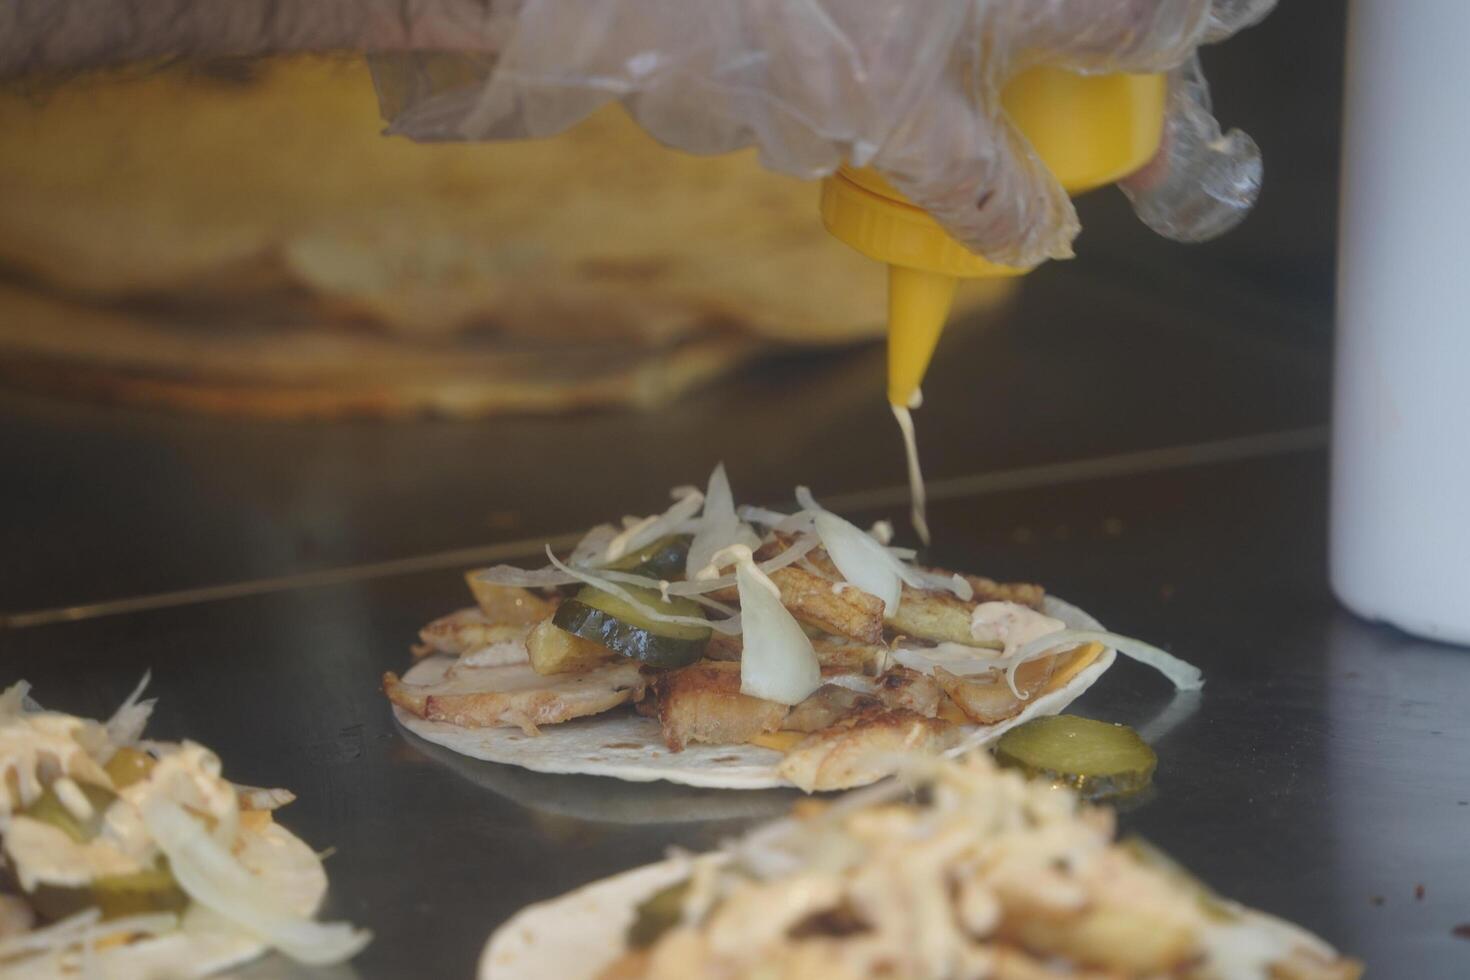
<point>240,238</point>
<point>271,181</point>
<point>267,368</point>
<point>629,747</point>
<point>204,943</point>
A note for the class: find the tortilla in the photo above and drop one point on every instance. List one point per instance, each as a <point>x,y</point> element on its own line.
<point>261,366</point>
<point>205,943</point>
<point>629,747</point>
<point>271,180</point>
<point>612,802</point>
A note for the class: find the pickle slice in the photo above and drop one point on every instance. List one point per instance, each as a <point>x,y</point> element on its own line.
<point>657,914</point>
<point>116,896</point>
<point>624,628</point>
<point>49,809</point>
<point>1095,758</point>
<point>662,559</point>
<point>128,766</point>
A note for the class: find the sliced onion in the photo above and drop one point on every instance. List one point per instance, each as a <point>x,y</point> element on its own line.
<point>13,701</point>
<point>795,552</point>
<point>599,581</point>
<point>649,531</point>
<point>911,575</point>
<point>861,560</point>
<point>939,582</point>
<point>526,578</point>
<point>593,544</point>
<point>84,927</point>
<point>126,725</point>
<point>957,658</point>
<point>211,875</point>
<point>777,662</point>
<point>1182,674</point>
<point>263,798</point>
<point>780,523</point>
<point>719,525</point>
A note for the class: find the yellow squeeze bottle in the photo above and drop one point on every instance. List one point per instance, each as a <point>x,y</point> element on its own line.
<point>1089,130</point>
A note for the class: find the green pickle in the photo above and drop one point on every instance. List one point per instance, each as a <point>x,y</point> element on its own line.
<point>623,628</point>
<point>49,809</point>
<point>657,914</point>
<point>116,896</point>
<point>128,766</point>
<point>1097,759</point>
<point>662,559</point>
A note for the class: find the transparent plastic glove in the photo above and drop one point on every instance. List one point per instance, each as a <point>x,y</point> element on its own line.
<point>909,87</point>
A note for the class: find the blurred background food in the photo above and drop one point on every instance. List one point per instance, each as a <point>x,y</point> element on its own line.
<point>239,237</point>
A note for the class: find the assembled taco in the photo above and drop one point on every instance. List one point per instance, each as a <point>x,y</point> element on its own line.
<point>745,648</point>
<point>125,857</point>
<point>977,873</point>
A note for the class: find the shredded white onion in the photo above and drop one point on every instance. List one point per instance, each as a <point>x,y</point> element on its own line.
<point>781,523</point>
<point>729,626</point>
<point>554,575</point>
<point>84,927</point>
<point>862,561</point>
<point>212,876</point>
<point>911,575</point>
<point>262,797</point>
<point>526,578</point>
<point>650,530</point>
<point>593,544</point>
<point>777,662</point>
<point>126,725</point>
<point>794,553</point>
<point>13,700</point>
<point>719,525</point>
<point>1183,675</point>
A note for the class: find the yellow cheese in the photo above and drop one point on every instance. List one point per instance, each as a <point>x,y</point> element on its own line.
<point>780,741</point>
<point>1075,663</point>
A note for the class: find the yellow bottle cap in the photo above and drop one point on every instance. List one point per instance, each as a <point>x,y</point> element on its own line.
<point>1088,130</point>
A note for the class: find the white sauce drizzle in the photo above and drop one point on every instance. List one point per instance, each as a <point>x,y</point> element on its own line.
<point>1011,624</point>
<point>918,512</point>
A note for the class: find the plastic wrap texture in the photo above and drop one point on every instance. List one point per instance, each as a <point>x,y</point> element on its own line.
<point>909,87</point>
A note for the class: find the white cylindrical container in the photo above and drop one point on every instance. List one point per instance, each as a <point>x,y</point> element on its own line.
<point>1400,537</point>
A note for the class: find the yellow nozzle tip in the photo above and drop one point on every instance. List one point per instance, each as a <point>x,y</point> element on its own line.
<point>918,306</point>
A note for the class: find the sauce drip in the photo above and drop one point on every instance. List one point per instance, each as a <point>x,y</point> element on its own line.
<point>918,509</point>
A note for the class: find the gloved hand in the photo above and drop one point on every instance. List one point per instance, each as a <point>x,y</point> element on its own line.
<point>909,87</point>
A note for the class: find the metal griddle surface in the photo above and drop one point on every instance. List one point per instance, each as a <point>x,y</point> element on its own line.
<point>1321,775</point>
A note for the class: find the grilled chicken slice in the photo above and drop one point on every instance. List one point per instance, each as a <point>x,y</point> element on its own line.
<point>703,703</point>
<point>989,590</point>
<point>466,631</point>
<point>509,604</point>
<point>903,689</point>
<point>826,706</point>
<point>986,698</point>
<point>515,695</point>
<point>934,614</point>
<point>931,615</point>
<point>863,747</point>
<point>833,653</point>
<point>807,590</point>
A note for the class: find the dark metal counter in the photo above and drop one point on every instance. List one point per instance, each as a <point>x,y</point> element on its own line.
<point>1141,432</point>
<point>1321,775</point>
